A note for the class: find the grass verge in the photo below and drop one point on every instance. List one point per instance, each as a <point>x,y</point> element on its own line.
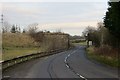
<point>107,60</point>
<point>13,52</point>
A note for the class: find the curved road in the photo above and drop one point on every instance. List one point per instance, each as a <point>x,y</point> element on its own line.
<point>69,64</point>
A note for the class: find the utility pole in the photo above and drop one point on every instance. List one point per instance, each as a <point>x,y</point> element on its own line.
<point>2,21</point>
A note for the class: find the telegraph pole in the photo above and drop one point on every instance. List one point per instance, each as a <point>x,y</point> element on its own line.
<point>2,21</point>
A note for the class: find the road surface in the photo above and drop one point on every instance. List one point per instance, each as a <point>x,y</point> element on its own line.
<point>69,64</point>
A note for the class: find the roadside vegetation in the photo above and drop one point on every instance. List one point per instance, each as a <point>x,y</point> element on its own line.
<point>78,40</point>
<point>105,38</point>
<point>82,43</point>
<point>104,47</point>
<point>16,43</point>
<point>103,55</point>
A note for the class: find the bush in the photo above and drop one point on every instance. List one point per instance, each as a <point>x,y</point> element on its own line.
<point>106,50</point>
<point>105,55</point>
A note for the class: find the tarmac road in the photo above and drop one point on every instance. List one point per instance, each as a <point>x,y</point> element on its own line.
<point>69,64</point>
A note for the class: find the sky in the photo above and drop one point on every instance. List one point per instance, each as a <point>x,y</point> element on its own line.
<point>69,17</point>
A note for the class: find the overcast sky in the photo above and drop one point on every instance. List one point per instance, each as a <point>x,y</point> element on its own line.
<point>69,17</point>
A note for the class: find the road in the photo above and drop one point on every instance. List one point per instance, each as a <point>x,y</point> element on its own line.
<point>69,64</point>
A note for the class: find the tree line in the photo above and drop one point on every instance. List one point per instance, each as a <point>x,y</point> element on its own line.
<point>108,31</point>
<point>106,37</point>
<point>42,39</point>
<point>7,27</point>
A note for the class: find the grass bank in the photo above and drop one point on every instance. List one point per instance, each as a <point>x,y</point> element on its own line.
<point>17,44</point>
<point>21,44</point>
<point>104,59</point>
<point>13,52</point>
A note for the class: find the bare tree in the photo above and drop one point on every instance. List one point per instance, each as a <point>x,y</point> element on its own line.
<point>13,29</point>
<point>90,34</point>
<point>35,33</point>
<point>6,27</point>
<point>32,28</point>
<point>58,31</point>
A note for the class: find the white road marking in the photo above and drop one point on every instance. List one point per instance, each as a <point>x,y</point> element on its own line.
<point>65,59</point>
<point>68,55</point>
<point>6,76</point>
<point>66,64</point>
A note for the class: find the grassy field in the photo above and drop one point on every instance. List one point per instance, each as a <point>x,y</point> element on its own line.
<point>17,44</point>
<point>111,61</point>
<point>12,52</point>
<point>20,44</point>
<point>81,43</point>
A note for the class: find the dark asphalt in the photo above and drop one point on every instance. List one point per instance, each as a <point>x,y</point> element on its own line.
<point>69,64</point>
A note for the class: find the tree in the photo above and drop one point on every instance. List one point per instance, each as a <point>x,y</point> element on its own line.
<point>19,30</point>
<point>13,29</point>
<point>24,31</point>
<point>91,34</point>
<point>112,22</point>
<point>6,27</point>
<point>98,36</point>
<point>35,33</point>
<point>112,19</point>
<point>32,28</point>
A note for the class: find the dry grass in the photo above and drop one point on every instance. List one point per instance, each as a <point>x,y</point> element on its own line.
<point>12,52</point>
<point>20,44</point>
<point>55,42</point>
<point>105,55</point>
<point>17,40</point>
<point>106,50</point>
<point>17,44</point>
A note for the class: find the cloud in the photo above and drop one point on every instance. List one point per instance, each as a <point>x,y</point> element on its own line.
<point>89,12</point>
<point>54,0</point>
<point>69,17</point>
<point>73,25</point>
<point>24,9</point>
<point>72,28</point>
<point>92,16</point>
